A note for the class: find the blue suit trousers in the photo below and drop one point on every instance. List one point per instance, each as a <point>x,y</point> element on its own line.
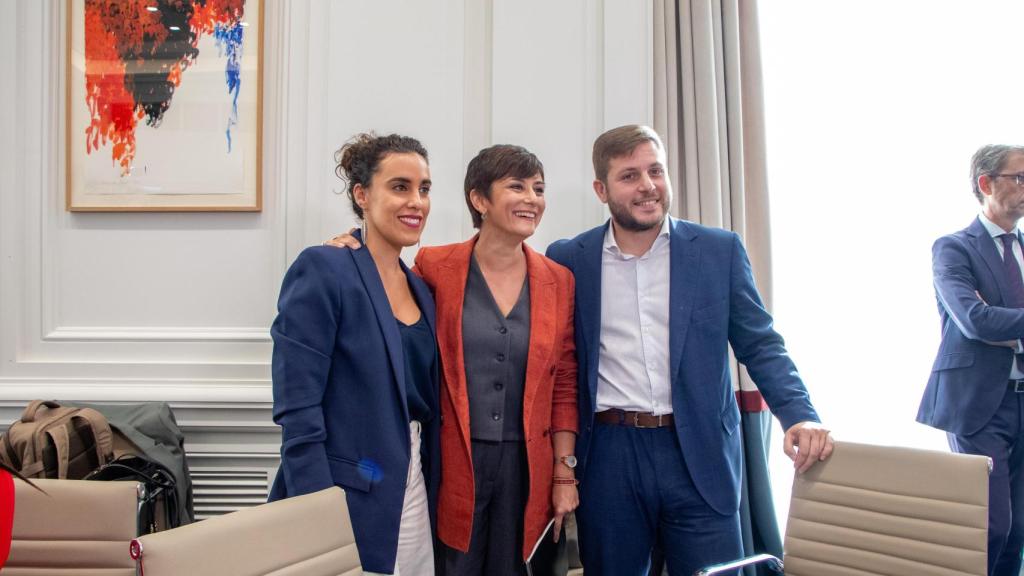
<point>1000,439</point>
<point>636,492</point>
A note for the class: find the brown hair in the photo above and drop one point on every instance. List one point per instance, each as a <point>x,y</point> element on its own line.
<point>494,163</point>
<point>620,142</point>
<point>359,158</point>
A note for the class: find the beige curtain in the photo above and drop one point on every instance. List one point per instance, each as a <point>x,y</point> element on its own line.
<point>709,106</point>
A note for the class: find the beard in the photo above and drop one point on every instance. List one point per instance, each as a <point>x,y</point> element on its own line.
<point>624,218</point>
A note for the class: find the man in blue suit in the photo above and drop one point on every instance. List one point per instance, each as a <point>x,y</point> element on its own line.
<point>976,389</point>
<point>658,302</point>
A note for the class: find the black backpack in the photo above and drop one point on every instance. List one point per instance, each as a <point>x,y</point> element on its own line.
<point>150,447</point>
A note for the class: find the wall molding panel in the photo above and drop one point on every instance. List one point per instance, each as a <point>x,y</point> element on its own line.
<point>159,334</point>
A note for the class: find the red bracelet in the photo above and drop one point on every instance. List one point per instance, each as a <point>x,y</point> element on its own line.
<point>560,480</point>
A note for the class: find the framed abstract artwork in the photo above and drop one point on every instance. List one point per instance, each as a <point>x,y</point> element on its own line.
<point>164,105</point>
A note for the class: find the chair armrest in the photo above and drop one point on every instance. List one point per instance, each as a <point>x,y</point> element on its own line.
<point>772,561</point>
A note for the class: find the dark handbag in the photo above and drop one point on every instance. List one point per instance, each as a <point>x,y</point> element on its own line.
<point>158,509</point>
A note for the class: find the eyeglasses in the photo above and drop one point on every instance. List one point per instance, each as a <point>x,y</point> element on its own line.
<point>1019,177</point>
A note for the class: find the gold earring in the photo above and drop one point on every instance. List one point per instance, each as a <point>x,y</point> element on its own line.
<point>362,229</point>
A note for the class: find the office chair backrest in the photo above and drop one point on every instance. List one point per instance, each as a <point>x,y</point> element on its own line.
<point>76,527</point>
<point>884,510</point>
<point>308,535</point>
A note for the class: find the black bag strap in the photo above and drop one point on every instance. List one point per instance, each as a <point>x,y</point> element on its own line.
<point>150,473</point>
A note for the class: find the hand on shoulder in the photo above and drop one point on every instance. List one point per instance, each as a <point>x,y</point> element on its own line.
<point>344,240</point>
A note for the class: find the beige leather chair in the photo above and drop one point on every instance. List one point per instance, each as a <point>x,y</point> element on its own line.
<point>884,510</point>
<point>76,527</point>
<point>306,535</point>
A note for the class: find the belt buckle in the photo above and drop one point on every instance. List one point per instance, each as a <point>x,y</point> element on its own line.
<point>637,424</point>
<point>1018,386</point>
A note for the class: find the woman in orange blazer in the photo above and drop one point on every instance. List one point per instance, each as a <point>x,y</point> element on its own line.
<point>508,392</point>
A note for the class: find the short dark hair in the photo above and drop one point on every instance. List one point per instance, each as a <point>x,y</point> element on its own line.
<point>987,161</point>
<point>358,159</point>
<point>620,142</point>
<point>493,164</point>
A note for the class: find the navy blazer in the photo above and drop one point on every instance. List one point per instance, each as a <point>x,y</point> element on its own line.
<point>968,379</point>
<point>340,395</point>
<point>713,303</point>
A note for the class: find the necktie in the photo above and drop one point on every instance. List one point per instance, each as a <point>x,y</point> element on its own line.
<point>1011,271</point>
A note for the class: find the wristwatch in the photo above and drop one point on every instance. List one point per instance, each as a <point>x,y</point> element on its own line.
<point>569,461</point>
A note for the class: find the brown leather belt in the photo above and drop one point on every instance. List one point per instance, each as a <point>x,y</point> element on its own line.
<point>634,419</point>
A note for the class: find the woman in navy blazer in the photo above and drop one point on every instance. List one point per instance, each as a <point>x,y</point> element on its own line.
<point>355,374</point>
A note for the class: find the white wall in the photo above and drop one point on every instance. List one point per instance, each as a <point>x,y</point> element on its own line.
<point>176,307</point>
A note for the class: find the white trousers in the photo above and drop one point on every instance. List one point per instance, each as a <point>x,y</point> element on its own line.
<point>415,545</point>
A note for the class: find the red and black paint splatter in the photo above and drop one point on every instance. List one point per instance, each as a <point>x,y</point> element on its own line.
<point>135,54</point>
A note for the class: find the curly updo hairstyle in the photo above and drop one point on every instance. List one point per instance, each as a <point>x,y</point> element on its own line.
<point>359,158</point>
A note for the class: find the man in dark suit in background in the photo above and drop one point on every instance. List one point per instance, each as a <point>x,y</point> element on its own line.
<point>976,389</point>
<point>658,302</point>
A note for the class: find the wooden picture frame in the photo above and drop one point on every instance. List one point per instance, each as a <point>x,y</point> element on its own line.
<point>164,105</point>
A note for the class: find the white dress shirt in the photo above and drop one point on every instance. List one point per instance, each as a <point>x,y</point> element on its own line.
<point>632,368</point>
<point>1016,373</point>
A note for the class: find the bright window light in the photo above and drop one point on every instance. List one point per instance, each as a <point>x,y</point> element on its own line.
<point>874,109</point>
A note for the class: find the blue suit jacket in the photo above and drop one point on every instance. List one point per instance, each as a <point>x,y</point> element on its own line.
<point>713,303</point>
<point>968,378</point>
<point>340,395</point>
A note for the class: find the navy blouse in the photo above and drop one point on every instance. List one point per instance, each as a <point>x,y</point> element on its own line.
<point>420,351</point>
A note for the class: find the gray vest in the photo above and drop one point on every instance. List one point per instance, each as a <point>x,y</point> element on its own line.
<point>495,349</point>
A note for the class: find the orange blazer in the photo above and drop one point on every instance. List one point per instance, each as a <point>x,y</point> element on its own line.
<point>549,397</point>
